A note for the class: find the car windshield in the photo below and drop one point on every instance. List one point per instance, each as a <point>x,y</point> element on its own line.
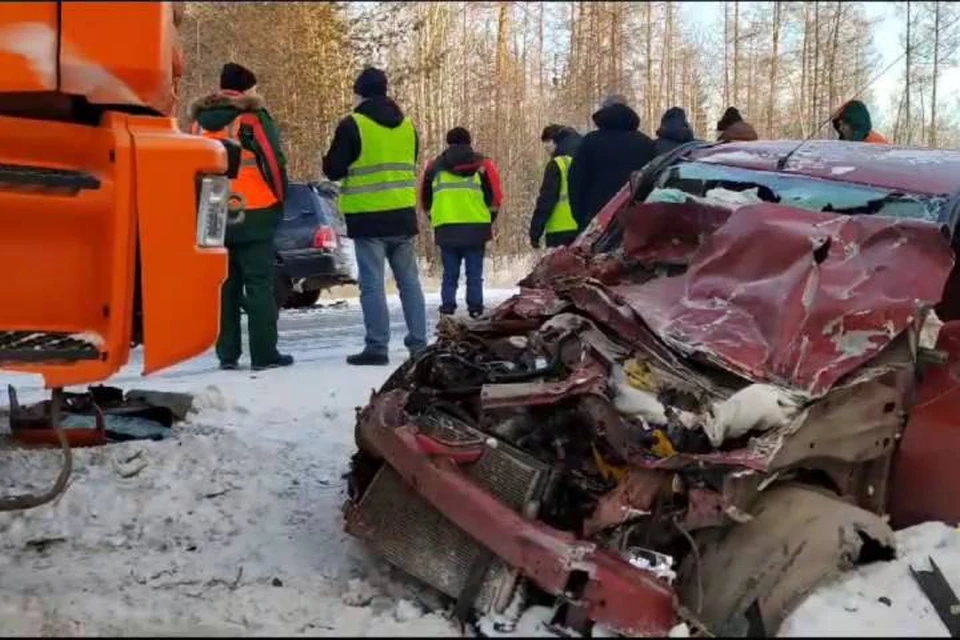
<point>707,180</point>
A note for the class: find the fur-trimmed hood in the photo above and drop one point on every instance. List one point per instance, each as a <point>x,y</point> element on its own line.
<point>216,110</point>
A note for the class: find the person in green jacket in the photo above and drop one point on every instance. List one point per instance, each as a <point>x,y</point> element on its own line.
<point>238,113</point>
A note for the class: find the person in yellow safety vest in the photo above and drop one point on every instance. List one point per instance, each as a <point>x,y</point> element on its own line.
<point>374,153</point>
<point>461,192</point>
<point>237,112</point>
<point>552,214</point>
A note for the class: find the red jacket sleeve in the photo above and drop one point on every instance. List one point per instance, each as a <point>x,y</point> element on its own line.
<point>491,170</point>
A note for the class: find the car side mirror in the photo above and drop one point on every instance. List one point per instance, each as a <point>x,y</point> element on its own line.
<point>233,157</point>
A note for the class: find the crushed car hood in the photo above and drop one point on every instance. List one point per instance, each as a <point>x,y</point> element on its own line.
<point>770,293</point>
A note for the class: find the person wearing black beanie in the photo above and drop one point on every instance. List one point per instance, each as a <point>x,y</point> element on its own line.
<point>460,191</point>
<point>459,135</point>
<point>238,113</point>
<point>371,83</point>
<point>236,77</point>
<point>374,155</point>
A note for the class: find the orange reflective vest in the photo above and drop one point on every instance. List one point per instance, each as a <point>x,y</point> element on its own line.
<point>249,182</point>
<point>875,138</point>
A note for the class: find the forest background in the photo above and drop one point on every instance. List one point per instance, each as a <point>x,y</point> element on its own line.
<point>506,69</point>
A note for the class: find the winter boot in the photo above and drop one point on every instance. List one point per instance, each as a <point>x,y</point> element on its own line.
<point>367,358</point>
<point>281,361</point>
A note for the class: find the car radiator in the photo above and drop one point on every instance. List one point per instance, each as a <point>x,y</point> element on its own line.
<point>404,529</point>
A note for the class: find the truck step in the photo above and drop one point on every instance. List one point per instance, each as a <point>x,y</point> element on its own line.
<point>36,347</point>
<point>13,176</point>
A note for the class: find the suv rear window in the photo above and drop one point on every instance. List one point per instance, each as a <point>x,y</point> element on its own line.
<point>300,202</point>
<point>699,178</point>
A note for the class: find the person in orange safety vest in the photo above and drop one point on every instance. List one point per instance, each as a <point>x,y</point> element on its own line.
<point>238,113</point>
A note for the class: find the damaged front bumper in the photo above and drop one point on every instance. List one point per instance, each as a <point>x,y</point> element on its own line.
<point>591,583</point>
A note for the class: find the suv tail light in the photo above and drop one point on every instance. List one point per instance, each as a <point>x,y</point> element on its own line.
<point>325,238</point>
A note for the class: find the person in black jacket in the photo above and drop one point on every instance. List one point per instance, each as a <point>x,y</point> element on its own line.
<point>674,130</point>
<point>382,221</point>
<point>557,140</point>
<point>372,102</point>
<point>606,158</point>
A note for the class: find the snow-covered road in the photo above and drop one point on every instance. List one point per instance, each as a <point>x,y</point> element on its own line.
<point>233,526</point>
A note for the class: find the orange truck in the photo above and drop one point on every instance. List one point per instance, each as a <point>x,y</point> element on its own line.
<point>111,219</point>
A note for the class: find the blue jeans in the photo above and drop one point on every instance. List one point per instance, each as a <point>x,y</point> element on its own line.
<point>472,258</point>
<point>371,255</point>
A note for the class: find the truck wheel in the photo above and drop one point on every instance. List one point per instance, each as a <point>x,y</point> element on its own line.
<point>303,299</point>
<point>282,289</point>
<point>753,575</point>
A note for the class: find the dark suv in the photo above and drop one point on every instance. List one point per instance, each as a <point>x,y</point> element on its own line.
<point>312,250</point>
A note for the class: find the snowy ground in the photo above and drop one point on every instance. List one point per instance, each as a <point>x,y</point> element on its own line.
<point>233,526</point>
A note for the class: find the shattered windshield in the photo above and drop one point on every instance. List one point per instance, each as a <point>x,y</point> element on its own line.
<point>713,181</point>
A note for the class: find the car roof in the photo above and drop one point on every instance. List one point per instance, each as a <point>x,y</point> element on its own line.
<point>908,169</point>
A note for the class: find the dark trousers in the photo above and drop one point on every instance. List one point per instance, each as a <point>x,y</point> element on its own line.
<point>472,259</point>
<point>250,278</point>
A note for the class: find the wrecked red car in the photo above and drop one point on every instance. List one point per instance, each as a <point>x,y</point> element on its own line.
<point>710,403</point>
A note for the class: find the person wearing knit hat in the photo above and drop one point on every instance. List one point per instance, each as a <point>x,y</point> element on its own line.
<point>459,135</point>
<point>460,191</point>
<point>238,113</point>
<point>236,77</point>
<point>374,154</point>
<point>371,83</point>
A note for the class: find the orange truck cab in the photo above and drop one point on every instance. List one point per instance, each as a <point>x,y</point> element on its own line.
<point>111,219</point>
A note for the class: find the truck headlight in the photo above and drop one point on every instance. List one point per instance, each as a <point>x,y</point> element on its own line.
<point>212,210</point>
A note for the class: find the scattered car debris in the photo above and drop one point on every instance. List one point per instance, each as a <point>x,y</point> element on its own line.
<point>116,417</point>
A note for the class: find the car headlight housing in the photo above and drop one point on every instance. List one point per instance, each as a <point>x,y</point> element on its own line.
<point>212,210</point>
